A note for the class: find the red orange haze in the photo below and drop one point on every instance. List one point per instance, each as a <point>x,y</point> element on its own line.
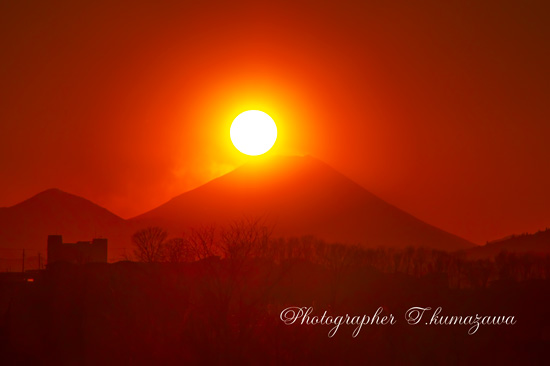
<point>440,109</point>
<point>291,182</point>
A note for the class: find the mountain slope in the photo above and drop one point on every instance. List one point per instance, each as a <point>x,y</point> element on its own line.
<point>299,196</point>
<point>27,224</point>
<point>535,243</point>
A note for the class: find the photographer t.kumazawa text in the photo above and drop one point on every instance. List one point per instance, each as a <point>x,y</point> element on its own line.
<point>413,316</point>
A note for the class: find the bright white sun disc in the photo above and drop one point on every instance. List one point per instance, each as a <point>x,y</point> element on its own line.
<point>253,132</point>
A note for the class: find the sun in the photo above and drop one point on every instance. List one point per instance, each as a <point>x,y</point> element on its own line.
<point>253,132</point>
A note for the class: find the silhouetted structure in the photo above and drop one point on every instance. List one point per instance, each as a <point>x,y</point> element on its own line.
<point>218,301</point>
<point>78,253</point>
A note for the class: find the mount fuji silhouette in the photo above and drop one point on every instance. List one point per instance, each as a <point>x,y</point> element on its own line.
<point>296,196</point>
<point>299,196</point>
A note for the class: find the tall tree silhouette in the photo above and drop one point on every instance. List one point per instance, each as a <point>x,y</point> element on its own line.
<point>149,244</point>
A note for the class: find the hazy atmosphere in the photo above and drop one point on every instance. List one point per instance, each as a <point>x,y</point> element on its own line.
<point>438,108</point>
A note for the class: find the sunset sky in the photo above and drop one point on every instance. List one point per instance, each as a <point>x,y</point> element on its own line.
<point>440,108</point>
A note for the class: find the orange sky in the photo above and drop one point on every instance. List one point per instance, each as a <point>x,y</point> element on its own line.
<point>440,108</point>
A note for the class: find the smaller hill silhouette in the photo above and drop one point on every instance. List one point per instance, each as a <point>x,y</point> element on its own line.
<point>298,196</point>
<point>28,224</point>
<point>538,242</point>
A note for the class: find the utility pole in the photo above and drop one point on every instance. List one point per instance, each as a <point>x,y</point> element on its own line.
<point>23,269</point>
<point>39,260</point>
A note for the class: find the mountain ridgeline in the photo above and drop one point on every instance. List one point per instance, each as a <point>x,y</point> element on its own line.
<point>296,196</point>
<point>27,225</point>
<point>538,242</point>
<point>299,196</point>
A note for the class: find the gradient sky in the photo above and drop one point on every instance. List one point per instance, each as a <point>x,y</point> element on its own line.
<point>440,108</point>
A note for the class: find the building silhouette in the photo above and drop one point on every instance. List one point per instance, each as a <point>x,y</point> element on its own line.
<point>81,252</point>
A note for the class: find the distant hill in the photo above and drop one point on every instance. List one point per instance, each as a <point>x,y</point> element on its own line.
<point>299,196</point>
<point>296,195</point>
<point>27,224</point>
<point>536,243</point>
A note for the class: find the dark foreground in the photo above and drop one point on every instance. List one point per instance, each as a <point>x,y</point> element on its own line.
<point>228,312</point>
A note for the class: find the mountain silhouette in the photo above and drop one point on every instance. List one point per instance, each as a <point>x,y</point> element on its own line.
<point>27,224</point>
<point>299,196</point>
<point>534,243</point>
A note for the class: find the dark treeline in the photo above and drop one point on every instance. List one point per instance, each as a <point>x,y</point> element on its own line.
<point>246,240</point>
<point>215,297</point>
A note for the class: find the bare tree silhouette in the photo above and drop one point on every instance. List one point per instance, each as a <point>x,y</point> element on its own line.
<point>178,250</point>
<point>244,239</point>
<point>150,244</point>
<point>201,242</point>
